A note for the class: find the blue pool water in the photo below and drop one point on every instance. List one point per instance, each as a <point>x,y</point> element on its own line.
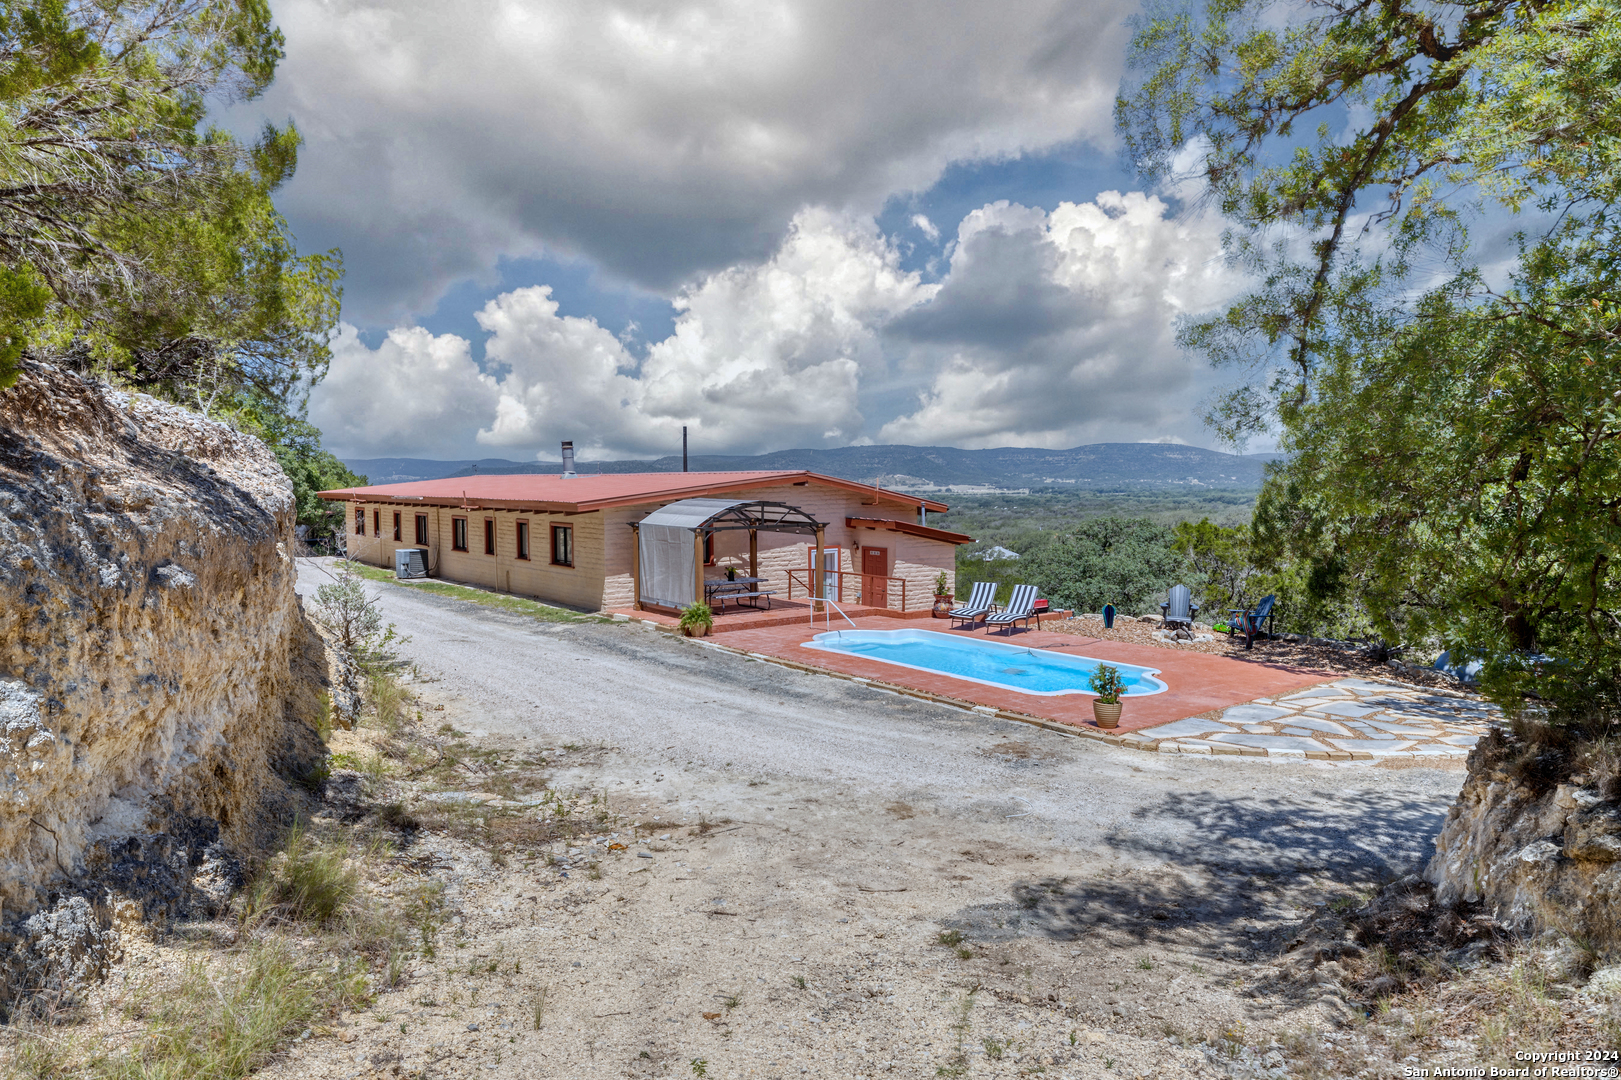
<point>994,663</point>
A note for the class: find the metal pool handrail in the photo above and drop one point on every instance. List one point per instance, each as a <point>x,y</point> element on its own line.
<point>832,607</point>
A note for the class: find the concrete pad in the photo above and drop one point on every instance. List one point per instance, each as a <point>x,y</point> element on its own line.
<point>1270,743</point>
<point>1253,714</point>
<point>1182,729</point>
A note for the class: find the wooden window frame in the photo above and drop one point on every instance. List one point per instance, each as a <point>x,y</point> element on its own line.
<point>522,540</point>
<point>489,536</point>
<point>377,523</point>
<point>709,549</point>
<point>422,530</point>
<point>458,534</point>
<point>396,526</point>
<point>567,530</point>
<point>360,521</point>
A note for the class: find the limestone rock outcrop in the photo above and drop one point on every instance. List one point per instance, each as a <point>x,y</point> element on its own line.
<point>1536,856</point>
<point>148,632</point>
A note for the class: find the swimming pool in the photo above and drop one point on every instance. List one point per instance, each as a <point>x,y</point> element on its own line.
<point>993,663</point>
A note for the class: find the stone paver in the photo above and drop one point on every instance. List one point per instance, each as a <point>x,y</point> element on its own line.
<point>1370,721</point>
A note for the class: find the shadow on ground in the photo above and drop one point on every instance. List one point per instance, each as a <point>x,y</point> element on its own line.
<point>1238,880</point>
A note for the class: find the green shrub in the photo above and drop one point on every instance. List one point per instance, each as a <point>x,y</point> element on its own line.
<point>696,615</point>
<point>1107,684</point>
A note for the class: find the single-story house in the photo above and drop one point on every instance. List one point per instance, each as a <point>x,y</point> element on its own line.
<point>577,540</point>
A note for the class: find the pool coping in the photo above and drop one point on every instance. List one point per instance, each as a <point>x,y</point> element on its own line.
<point>1140,739</point>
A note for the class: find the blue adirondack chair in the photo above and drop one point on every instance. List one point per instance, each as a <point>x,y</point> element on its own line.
<point>1248,622</point>
<point>1179,608</point>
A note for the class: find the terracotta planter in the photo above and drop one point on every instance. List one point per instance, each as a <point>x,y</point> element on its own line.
<point>1106,714</point>
<point>701,630</point>
<point>942,606</point>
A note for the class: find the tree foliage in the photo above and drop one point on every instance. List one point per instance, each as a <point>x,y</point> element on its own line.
<point>134,239</point>
<point>1127,562</point>
<point>1452,473</point>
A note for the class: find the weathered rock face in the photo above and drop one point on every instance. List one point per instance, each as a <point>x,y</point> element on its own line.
<point>1535,859</point>
<point>147,625</point>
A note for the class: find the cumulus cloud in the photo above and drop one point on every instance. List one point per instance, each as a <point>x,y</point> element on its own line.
<point>761,356</point>
<point>414,393</point>
<point>662,142</point>
<point>1050,329</point>
<point>1059,329</point>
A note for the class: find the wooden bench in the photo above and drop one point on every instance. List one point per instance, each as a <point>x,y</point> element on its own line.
<point>721,596</point>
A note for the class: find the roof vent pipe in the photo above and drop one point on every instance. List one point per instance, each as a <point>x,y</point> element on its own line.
<point>568,459</point>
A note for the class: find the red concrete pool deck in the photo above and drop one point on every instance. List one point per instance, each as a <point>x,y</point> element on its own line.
<point>1199,682</point>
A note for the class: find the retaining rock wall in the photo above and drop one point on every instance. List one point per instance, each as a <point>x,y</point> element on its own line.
<point>1536,857</point>
<point>148,639</point>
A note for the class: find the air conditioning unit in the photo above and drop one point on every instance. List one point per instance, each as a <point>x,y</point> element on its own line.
<point>410,562</point>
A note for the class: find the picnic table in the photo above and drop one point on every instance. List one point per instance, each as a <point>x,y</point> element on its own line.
<point>720,590</point>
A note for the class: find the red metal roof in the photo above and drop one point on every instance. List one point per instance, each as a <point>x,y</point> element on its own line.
<point>549,491</point>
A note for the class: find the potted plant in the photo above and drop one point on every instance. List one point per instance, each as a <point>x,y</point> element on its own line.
<point>1107,685</point>
<point>696,620</point>
<point>942,599</point>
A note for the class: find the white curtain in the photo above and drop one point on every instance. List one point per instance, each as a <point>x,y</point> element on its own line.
<point>667,568</point>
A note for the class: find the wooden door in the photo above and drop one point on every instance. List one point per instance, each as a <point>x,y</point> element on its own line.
<point>874,576</point>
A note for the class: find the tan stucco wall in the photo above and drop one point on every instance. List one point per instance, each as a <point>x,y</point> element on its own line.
<point>577,586</point>
<point>603,548</point>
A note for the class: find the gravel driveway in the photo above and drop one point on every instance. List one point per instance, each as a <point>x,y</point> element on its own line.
<point>698,717</point>
<point>910,889</point>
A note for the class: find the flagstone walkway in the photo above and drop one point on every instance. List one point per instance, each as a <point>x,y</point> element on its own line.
<point>1350,719</point>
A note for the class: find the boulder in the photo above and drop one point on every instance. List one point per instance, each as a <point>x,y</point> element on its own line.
<point>1535,857</point>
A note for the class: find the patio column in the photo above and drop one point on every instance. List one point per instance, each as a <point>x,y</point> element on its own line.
<point>698,566</point>
<point>817,571</point>
<point>754,553</point>
<point>636,567</point>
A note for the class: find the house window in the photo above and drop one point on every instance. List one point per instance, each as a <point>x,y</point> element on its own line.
<point>360,522</point>
<point>458,534</point>
<point>489,536</point>
<point>562,545</point>
<point>709,549</point>
<point>422,530</point>
<point>396,526</point>
<point>523,540</point>
<point>377,523</point>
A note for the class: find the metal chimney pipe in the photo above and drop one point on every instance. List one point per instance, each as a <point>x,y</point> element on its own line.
<point>683,448</point>
<point>568,459</point>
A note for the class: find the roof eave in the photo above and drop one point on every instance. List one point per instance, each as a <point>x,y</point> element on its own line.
<point>945,536</point>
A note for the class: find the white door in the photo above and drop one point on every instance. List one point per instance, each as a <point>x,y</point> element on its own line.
<point>830,573</point>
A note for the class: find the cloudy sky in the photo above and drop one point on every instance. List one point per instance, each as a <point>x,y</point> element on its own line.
<point>782,223</point>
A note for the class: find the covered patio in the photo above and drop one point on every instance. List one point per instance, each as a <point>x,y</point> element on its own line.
<point>669,558</point>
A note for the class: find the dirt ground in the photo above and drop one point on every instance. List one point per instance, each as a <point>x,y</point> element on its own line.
<point>769,873</point>
<point>793,928</point>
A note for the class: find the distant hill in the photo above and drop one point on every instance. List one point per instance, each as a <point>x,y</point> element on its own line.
<point>1100,466</point>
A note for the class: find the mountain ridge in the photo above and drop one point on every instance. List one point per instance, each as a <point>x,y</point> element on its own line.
<point>922,468</point>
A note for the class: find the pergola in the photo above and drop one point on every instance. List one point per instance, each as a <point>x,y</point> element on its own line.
<point>668,567</point>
